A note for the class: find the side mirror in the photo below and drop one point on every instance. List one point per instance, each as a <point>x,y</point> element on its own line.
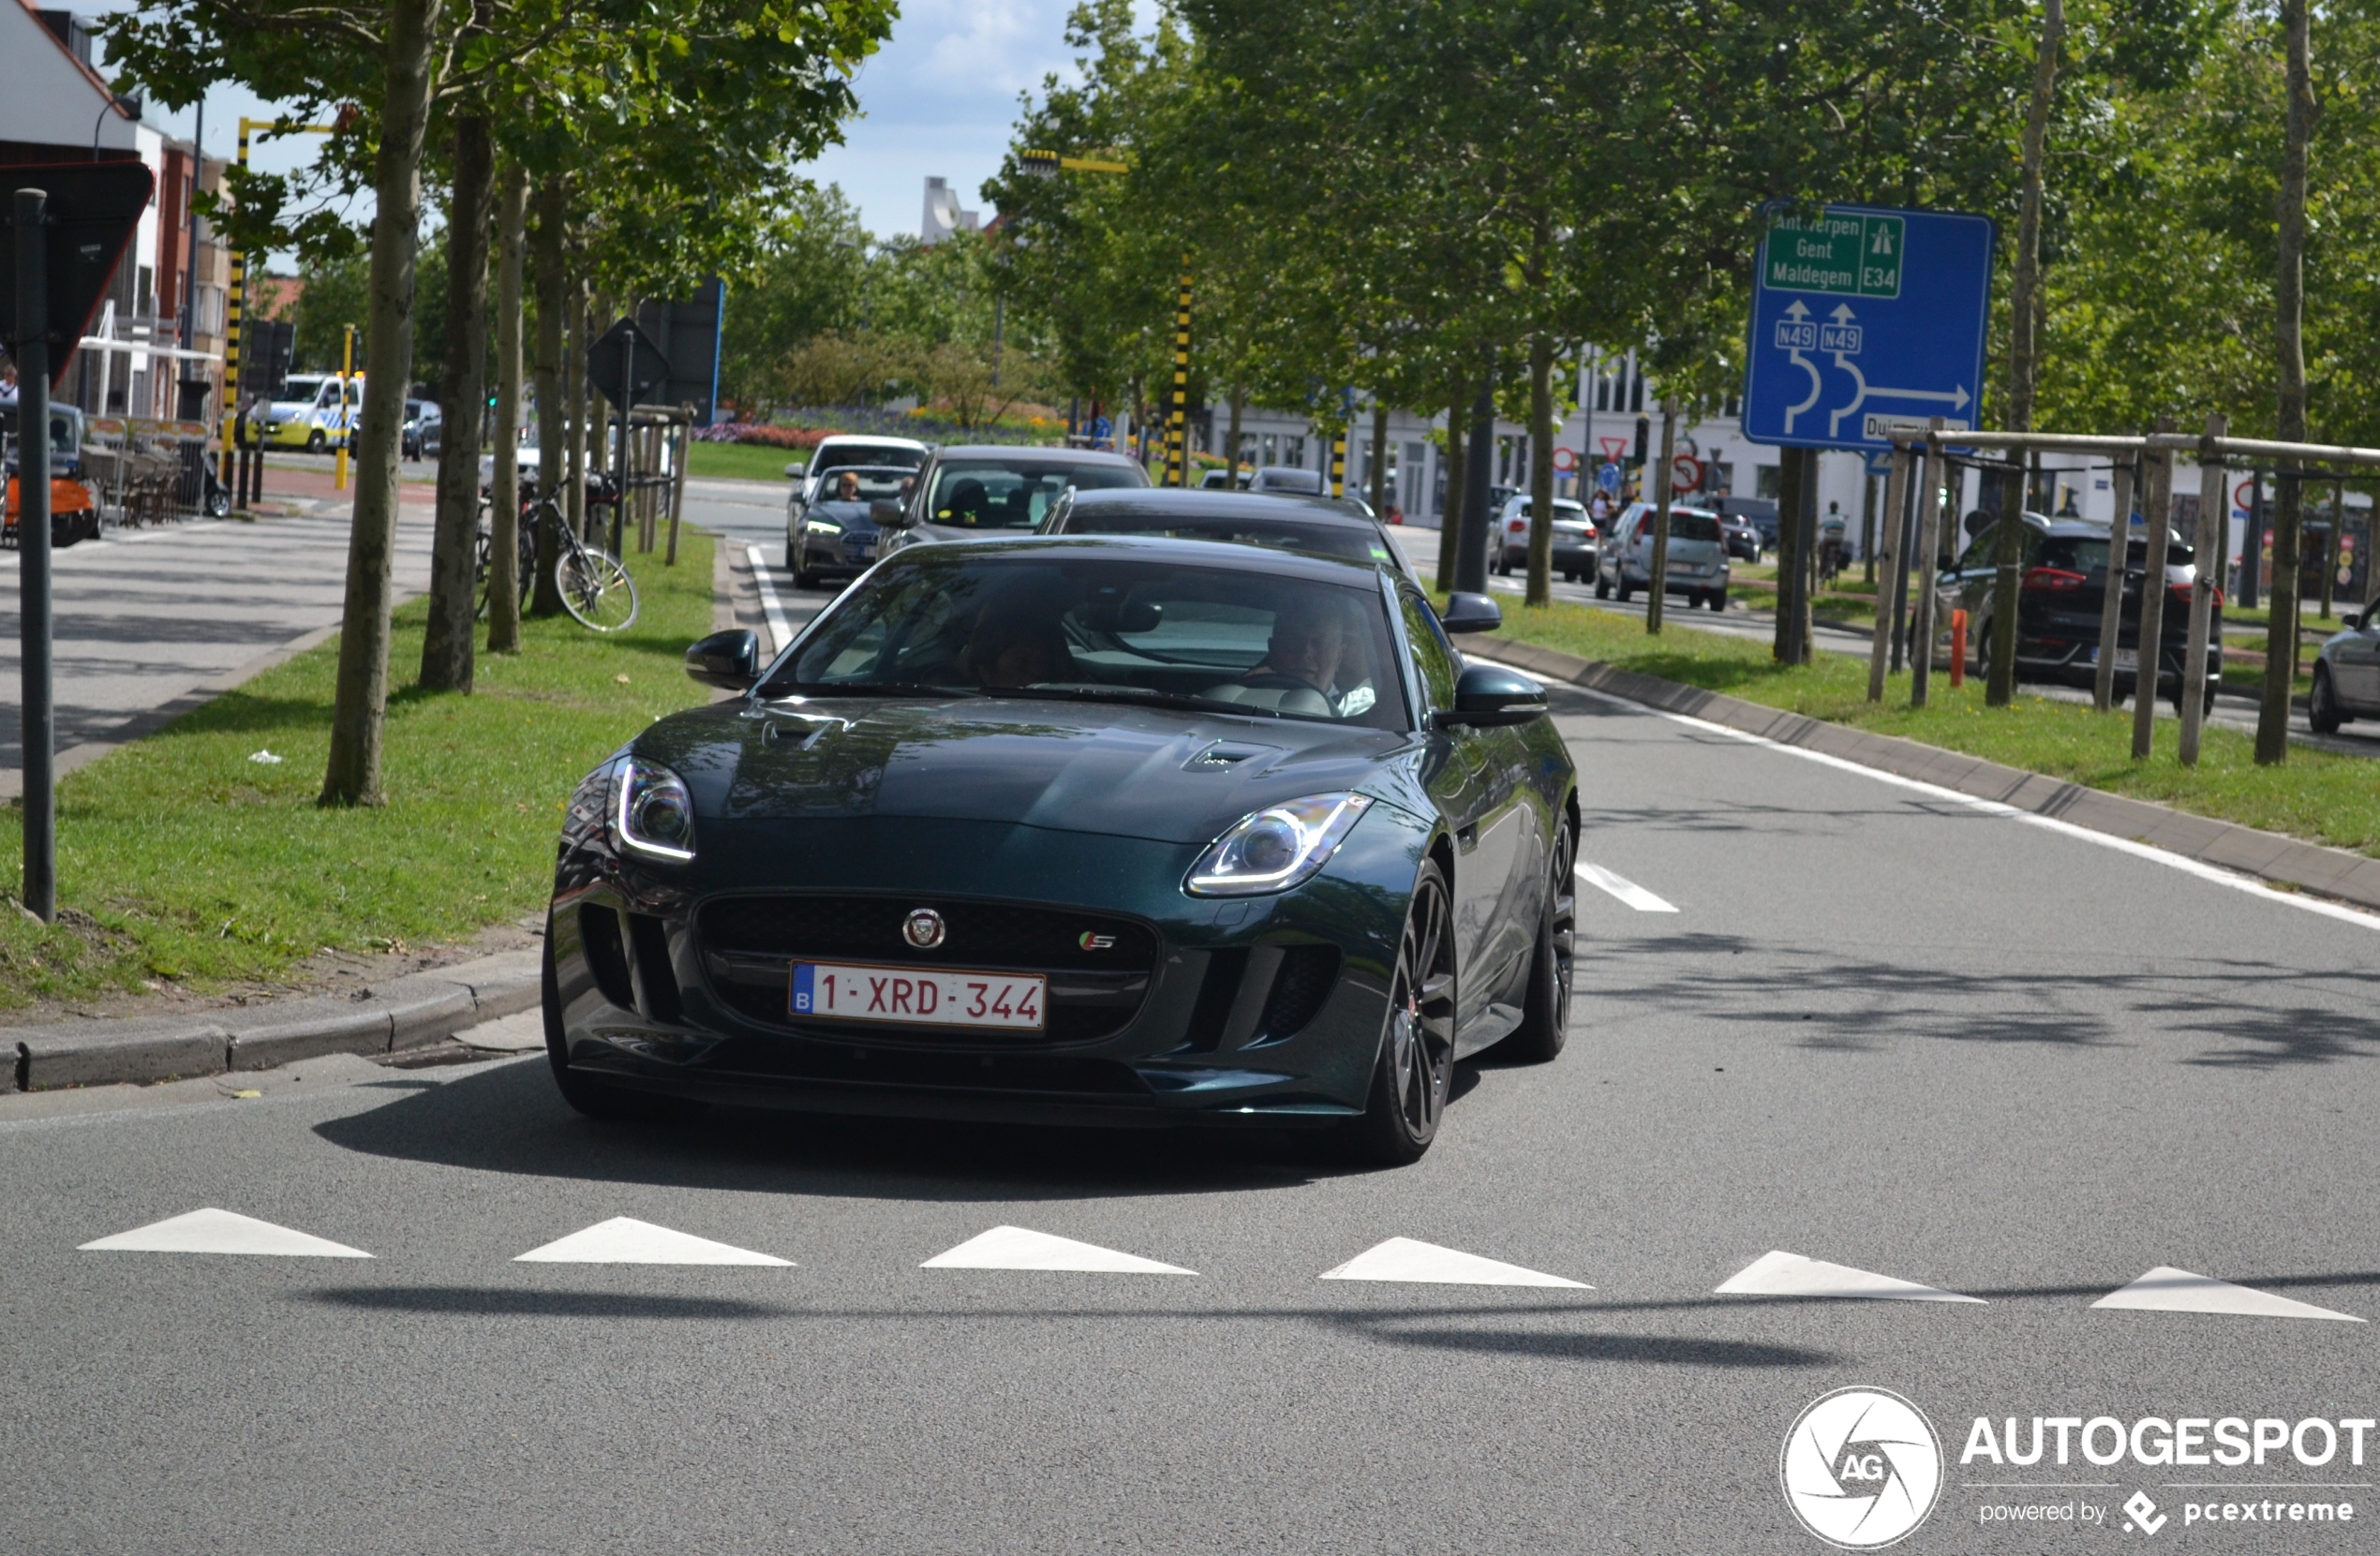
<point>1471,613</point>
<point>887,515</point>
<point>795,470</point>
<point>1489,696</point>
<point>2353,620</point>
<point>729,660</point>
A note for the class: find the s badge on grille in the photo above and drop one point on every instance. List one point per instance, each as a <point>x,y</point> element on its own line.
<point>922,928</point>
<point>1089,941</point>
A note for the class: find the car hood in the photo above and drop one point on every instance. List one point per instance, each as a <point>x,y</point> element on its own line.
<point>1117,771</point>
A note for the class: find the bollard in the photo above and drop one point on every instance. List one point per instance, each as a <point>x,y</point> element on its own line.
<point>1958,650</point>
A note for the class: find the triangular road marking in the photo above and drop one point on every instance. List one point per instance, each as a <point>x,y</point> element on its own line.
<point>212,1231</point>
<point>2165,1289</point>
<point>625,1241</point>
<point>1405,1259</point>
<point>1781,1274</point>
<point>1016,1248</point>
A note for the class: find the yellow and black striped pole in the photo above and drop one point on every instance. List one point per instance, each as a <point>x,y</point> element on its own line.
<point>1339,463</point>
<point>234,308</point>
<point>1178,417</point>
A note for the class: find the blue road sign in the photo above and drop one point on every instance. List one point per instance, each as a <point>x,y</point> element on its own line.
<point>1862,318</point>
<point>1607,477</point>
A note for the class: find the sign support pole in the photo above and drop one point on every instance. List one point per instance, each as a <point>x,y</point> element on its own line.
<point>1178,409</point>
<point>1888,625</point>
<point>39,733</point>
<point>1929,518</point>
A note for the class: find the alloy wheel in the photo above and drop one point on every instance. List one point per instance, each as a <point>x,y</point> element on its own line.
<point>1421,1030</point>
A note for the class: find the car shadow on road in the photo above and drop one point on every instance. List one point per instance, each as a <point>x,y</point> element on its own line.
<point>508,1119</point>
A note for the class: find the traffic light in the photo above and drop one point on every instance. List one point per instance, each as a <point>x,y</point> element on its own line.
<point>1643,439</point>
<point>1041,164</point>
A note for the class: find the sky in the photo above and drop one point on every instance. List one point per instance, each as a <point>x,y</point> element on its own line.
<point>939,99</point>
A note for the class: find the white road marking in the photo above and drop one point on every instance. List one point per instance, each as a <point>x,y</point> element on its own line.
<point>1622,887</point>
<point>1018,1247</point>
<point>625,1241</point>
<point>778,630</point>
<point>2165,1289</point>
<point>1405,1259</point>
<point>1777,1273</point>
<point>212,1231</point>
<point>2215,874</point>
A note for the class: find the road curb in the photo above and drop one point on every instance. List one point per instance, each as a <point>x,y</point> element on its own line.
<point>402,1013</point>
<point>2267,857</point>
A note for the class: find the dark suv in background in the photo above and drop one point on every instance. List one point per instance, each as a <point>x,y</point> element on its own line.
<point>2061,590</point>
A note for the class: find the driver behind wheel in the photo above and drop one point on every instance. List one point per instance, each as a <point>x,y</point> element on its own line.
<point>1013,645</point>
<point>1303,662</point>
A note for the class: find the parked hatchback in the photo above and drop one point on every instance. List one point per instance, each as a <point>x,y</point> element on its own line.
<point>1698,567</point>
<point>1574,539</point>
<point>2346,675</point>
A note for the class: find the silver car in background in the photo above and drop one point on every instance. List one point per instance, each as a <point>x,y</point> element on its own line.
<point>1698,567</point>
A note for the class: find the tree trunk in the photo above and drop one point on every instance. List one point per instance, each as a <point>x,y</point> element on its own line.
<point>2288,299</point>
<point>578,395</point>
<point>448,644</point>
<point>1380,458</point>
<point>1540,587</point>
<point>505,560</point>
<point>1450,517</point>
<point>2024,319</point>
<point>353,774</point>
<point>553,416</point>
<point>1478,515</point>
<point>1656,593</point>
<point>1231,445</point>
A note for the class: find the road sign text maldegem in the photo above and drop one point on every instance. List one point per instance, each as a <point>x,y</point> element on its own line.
<point>1849,256</point>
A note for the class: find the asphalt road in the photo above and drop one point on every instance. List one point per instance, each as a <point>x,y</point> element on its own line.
<point>1881,1027</point>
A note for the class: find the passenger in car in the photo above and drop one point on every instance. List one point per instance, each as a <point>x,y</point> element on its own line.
<point>1016,645</point>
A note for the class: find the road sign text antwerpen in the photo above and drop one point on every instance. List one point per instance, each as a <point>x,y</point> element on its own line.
<point>1862,318</point>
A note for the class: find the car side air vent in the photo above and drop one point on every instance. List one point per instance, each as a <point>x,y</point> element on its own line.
<point>656,981</point>
<point>606,955</point>
<point>1299,988</point>
<point>1221,987</point>
<point>1225,754</point>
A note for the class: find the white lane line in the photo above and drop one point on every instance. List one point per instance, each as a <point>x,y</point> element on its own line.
<point>1777,1273</point>
<point>625,1241</point>
<point>214,1231</point>
<point>1406,1259</point>
<point>2165,1289</point>
<point>2215,874</point>
<point>1020,1248</point>
<point>1625,890</point>
<point>773,611</point>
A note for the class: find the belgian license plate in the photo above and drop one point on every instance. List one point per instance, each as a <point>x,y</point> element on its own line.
<point>918,997</point>
<point>2127,659</point>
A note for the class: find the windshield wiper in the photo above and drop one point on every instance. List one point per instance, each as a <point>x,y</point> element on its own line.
<point>1092,692</point>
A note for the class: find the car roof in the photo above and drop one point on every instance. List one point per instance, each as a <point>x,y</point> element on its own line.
<point>1035,453</point>
<point>833,439</point>
<point>1198,502</point>
<point>1164,548</point>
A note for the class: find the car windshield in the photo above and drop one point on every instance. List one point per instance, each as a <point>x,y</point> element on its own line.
<point>880,455</point>
<point>984,494</point>
<point>1693,526</point>
<point>864,483</point>
<point>1326,540</point>
<point>302,386</point>
<point>1083,627</point>
<point>1565,511</point>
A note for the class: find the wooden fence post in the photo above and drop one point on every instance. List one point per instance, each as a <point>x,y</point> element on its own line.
<point>2214,492</point>
<point>2111,605</point>
<point>1887,613</point>
<point>2149,654</point>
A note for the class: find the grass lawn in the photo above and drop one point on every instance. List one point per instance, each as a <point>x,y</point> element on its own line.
<point>2329,799</point>
<point>740,461</point>
<point>180,859</point>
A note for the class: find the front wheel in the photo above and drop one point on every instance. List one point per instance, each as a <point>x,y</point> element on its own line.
<point>596,590</point>
<point>1545,1008</point>
<point>2322,709</point>
<point>1415,1064</point>
<point>315,441</point>
<point>590,1098</point>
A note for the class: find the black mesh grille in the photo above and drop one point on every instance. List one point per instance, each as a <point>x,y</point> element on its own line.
<point>1299,988</point>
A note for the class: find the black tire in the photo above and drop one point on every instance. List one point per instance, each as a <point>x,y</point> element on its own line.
<point>1602,586</point>
<point>1415,1068</point>
<point>1718,600</point>
<point>1545,1009</point>
<point>1625,588</point>
<point>315,441</point>
<point>609,1104</point>
<point>2321,707</point>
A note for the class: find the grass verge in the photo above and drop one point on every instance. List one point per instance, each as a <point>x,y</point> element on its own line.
<point>186,858</point>
<point>2315,796</point>
<point>740,461</point>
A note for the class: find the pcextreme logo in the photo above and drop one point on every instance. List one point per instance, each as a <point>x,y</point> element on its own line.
<point>1861,1468</point>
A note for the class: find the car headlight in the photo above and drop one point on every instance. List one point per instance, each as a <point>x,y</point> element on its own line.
<point>1277,848</point>
<point>654,814</point>
<point>823,527</point>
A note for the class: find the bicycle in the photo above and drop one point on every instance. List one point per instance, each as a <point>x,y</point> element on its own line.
<point>596,590</point>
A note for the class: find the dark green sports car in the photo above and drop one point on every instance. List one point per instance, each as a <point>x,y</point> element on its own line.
<point>1096,830</point>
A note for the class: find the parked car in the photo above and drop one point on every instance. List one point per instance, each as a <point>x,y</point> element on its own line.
<point>1314,524</point>
<point>2060,591</point>
<point>74,509</point>
<point>1077,830</point>
<point>837,535</point>
<point>846,450</point>
<point>310,413</point>
<point>965,493</point>
<point>1697,566</point>
<point>1293,478</point>
<point>1759,512</point>
<point>1741,538</point>
<point>1220,480</point>
<point>1575,538</point>
<point>422,424</point>
<point>2346,675</point>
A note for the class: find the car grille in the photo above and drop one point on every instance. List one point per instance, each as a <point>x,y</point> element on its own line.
<point>749,944</point>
